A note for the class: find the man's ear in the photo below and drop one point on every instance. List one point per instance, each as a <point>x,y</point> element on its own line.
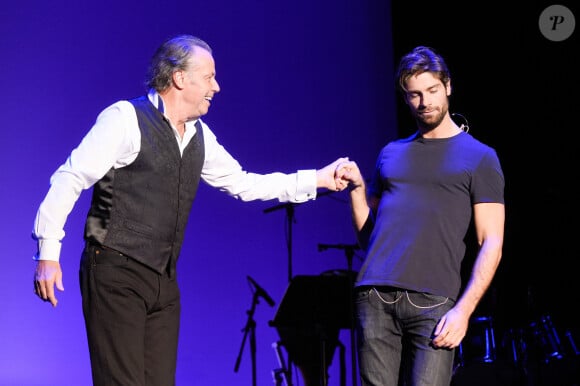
<point>448,87</point>
<point>178,79</point>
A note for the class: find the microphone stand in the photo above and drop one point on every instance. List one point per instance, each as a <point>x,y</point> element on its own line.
<point>289,206</point>
<point>290,218</point>
<point>250,328</point>
<point>289,221</point>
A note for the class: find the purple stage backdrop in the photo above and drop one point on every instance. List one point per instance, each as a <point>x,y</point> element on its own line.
<point>303,83</point>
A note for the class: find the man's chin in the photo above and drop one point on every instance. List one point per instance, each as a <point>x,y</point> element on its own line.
<point>426,124</point>
<point>200,112</point>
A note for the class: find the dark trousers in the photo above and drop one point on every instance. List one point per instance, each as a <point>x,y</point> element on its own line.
<point>132,318</point>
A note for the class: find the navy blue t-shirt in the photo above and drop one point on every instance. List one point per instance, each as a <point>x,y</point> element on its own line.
<point>427,189</point>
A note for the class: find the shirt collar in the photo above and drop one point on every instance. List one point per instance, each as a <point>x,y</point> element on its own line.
<point>157,101</point>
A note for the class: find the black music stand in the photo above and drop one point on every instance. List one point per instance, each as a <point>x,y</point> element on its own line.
<point>308,320</point>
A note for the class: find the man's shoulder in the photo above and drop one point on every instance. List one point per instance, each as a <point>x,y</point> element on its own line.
<point>475,143</point>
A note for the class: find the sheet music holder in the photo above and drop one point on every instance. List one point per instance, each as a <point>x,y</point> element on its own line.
<point>308,320</point>
<point>315,301</point>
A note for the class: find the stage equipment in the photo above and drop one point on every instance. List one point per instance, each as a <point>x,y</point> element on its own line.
<point>308,320</point>
<point>250,327</point>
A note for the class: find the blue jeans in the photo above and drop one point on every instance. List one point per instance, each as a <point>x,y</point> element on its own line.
<point>394,330</point>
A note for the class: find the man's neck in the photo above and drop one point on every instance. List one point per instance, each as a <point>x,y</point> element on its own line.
<point>446,129</point>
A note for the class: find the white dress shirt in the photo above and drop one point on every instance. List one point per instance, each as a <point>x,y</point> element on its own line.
<point>114,142</point>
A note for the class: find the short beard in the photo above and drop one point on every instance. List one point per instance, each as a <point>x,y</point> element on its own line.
<point>428,126</point>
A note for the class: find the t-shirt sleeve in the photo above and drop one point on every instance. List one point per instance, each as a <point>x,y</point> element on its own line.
<point>375,186</point>
<point>488,182</point>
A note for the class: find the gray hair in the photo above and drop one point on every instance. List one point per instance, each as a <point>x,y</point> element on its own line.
<point>173,55</point>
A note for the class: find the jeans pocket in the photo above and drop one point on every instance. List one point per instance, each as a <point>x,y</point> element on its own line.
<point>106,256</point>
<point>425,300</point>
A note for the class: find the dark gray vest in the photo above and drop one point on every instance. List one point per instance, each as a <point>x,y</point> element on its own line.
<point>141,210</point>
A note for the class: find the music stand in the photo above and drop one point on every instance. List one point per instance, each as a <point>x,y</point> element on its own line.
<point>310,315</point>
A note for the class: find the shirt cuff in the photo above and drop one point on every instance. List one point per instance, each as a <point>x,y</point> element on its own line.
<point>48,250</point>
<point>305,185</point>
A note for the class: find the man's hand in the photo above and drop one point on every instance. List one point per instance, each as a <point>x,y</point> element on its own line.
<point>451,329</point>
<point>348,172</point>
<point>48,275</point>
<point>326,177</point>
